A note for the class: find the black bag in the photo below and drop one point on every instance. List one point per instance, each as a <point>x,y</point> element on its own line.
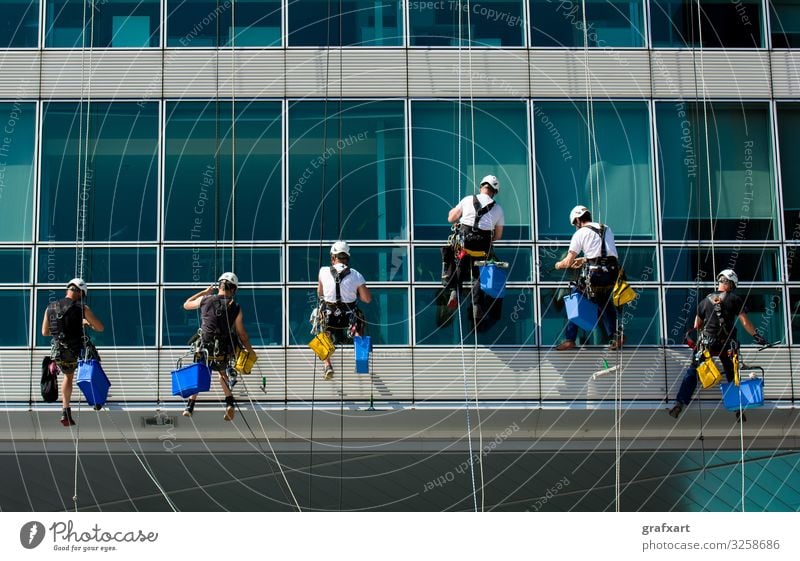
<point>49,381</point>
<point>605,272</point>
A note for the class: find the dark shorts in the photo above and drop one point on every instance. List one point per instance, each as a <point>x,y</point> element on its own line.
<point>339,318</point>
<point>216,362</point>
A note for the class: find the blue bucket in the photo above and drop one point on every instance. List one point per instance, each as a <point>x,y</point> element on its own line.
<point>493,280</point>
<point>363,346</point>
<point>191,379</point>
<point>751,393</point>
<point>581,311</point>
<point>93,382</point>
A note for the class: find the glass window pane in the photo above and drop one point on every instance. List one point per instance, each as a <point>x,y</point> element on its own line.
<point>262,264</point>
<point>102,265</point>
<point>690,265</point>
<point>261,313</point>
<point>15,266</point>
<point>640,264</point>
<point>129,316</point>
<point>640,320</point>
<point>491,23</point>
<point>367,23</point>
<point>794,307</point>
<point>17,148</point>
<point>207,23</point>
<point>742,180</point>
<point>15,327</point>
<point>377,264</point>
<point>386,315</point>
<point>428,263</point>
<point>121,178</point>
<point>788,125</point>
<point>19,24</point>
<point>439,183</point>
<point>724,23</point>
<point>609,23</point>
<point>117,23</point>
<point>198,159</point>
<point>793,263</point>
<point>619,174</point>
<point>514,326</point>
<point>178,325</point>
<point>358,154</point>
<point>763,306</point>
<point>784,16</point>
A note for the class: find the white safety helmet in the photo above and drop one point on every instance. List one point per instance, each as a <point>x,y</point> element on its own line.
<point>229,278</point>
<point>730,275</point>
<point>340,247</point>
<point>491,180</point>
<point>576,213</point>
<point>80,283</point>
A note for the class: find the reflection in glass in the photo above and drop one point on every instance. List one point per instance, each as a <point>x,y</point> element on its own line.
<point>490,23</point>
<point>116,24</point>
<point>609,23</point>
<point>501,148</point>
<point>722,23</point>
<point>363,23</point>
<point>207,23</point>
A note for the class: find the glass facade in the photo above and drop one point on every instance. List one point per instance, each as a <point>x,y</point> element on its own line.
<point>19,24</point>
<point>107,24</point>
<point>609,23</point>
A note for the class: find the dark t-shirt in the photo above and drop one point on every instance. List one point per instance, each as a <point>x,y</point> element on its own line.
<point>730,306</point>
<point>218,315</point>
<point>71,312</point>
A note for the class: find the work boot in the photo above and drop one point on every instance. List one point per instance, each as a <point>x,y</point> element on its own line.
<point>675,410</point>
<point>66,417</point>
<point>742,419</point>
<point>566,345</point>
<point>189,409</point>
<point>230,410</point>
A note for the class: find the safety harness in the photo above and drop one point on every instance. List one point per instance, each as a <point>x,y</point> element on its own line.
<point>600,272</point>
<point>338,309</point>
<point>217,338</point>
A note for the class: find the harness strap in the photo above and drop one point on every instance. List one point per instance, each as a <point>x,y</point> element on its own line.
<point>602,233</point>
<point>337,277</point>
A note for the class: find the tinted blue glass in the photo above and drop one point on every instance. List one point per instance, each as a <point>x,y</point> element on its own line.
<point>17,148</point>
<point>618,175</point>
<point>207,23</point>
<point>794,307</point>
<point>609,23</point>
<point>491,23</point>
<point>199,202</point>
<point>15,266</point>
<point>347,172</point>
<point>515,324</point>
<point>129,316</point>
<point>198,264</point>
<point>640,320</point>
<point>741,188</point>
<point>428,263</point>
<point>688,264</point>
<point>121,178</point>
<point>15,327</point>
<point>178,325</point>
<point>722,24</point>
<point>439,183</point>
<point>367,23</point>
<point>788,124</point>
<point>784,16</point>
<point>377,264</point>
<point>763,305</point>
<point>117,23</point>
<point>386,316</point>
<point>19,24</point>
<point>262,311</point>
<point>103,265</point>
<point>640,264</point>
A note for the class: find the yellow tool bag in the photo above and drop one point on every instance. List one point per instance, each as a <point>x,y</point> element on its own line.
<point>245,361</point>
<point>708,372</point>
<point>322,345</point>
<point>622,293</point>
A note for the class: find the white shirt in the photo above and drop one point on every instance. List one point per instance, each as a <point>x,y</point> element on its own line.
<point>488,221</point>
<point>348,286</point>
<point>587,241</point>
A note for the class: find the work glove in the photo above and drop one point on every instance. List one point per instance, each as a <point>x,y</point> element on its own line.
<point>759,339</point>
